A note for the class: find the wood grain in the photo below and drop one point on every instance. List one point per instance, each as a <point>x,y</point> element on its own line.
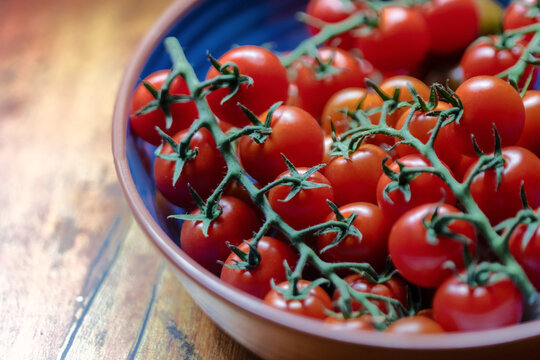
<point>78,279</point>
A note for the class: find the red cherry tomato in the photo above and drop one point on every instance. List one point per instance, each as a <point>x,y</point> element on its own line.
<point>518,14</point>
<point>399,41</point>
<point>487,102</point>
<point>308,207</point>
<point>392,288</point>
<point>503,202</point>
<point>527,255</point>
<point>208,250</point>
<point>203,173</point>
<point>355,179</point>
<point>315,91</point>
<point>529,136</point>
<point>414,325</point>
<point>295,134</point>
<point>256,281</point>
<point>363,322</point>
<point>183,113</point>
<point>459,15</point>
<point>372,248</point>
<point>313,306</point>
<point>419,261</point>
<point>425,188</point>
<point>270,84</point>
<point>458,307</point>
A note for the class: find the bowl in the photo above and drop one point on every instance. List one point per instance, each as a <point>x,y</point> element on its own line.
<point>216,25</point>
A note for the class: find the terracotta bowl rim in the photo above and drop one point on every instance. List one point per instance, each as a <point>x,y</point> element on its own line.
<point>227,293</point>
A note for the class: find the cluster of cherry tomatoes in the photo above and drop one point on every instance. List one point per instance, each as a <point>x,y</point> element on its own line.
<point>293,119</point>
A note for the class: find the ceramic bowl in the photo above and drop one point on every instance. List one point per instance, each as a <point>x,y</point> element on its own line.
<point>216,25</point>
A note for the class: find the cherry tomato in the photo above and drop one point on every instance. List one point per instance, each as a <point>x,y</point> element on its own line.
<point>414,325</point>
<point>372,248</point>
<point>256,281</point>
<point>346,99</point>
<point>425,188</point>
<point>392,288</point>
<point>332,11</point>
<point>203,173</point>
<point>313,306</point>
<point>487,102</point>
<point>400,40</point>
<point>529,136</point>
<point>419,261</point>
<point>355,179</point>
<point>518,14</point>
<point>459,15</point>
<point>503,202</point>
<point>270,84</point>
<point>363,322</point>
<point>295,134</point>
<point>308,207</point>
<point>208,250</point>
<point>527,255</point>
<point>460,307</point>
<point>183,113</point>
<point>460,167</point>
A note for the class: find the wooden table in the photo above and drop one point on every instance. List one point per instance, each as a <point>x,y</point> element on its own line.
<point>78,279</point>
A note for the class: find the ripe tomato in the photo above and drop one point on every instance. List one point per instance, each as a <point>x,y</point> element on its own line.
<point>313,306</point>
<point>208,250</point>
<point>398,42</point>
<point>256,281</point>
<point>459,15</point>
<point>295,134</point>
<point>308,207</point>
<point>527,256</point>
<point>486,57</point>
<point>345,99</point>
<point>392,288</point>
<point>355,179</point>
<point>332,11</point>
<point>487,102</point>
<point>516,15</point>
<point>460,167</point>
<point>419,261</point>
<point>425,188</point>
<point>203,173</point>
<point>270,84</point>
<point>315,91</point>
<point>458,307</point>
<point>529,136</point>
<point>414,325</point>
<point>183,114</point>
<point>372,248</point>
<point>402,82</point>
<point>363,322</point>
<point>503,202</point>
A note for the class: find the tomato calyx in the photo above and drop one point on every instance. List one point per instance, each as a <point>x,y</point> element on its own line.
<point>259,131</point>
<point>248,260</point>
<point>437,226</point>
<point>342,227</point>
<point>401,180</point>
<point>493,161</point>
<point>293,292</point>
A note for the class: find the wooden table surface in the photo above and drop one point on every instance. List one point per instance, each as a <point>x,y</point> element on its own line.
<point>78,278</point>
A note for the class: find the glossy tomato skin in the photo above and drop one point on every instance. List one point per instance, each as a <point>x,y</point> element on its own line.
<point>314,91</point>
<point>503,202</point>
<point>415,325</point>
<point>527,256</point>
<point>313,306</point>
<point>516,15</point>
<point>393,288</point>
<point>363,322</point>
<point>372,248</point>
<point>418,261</point>
<point>270,84</point>
<point>308,207</point>
<point>529,136</point>
<point>208,250</point>
<point>295,133</point>
<point>355,179</point>
<point>346,99</point>
<point>399,41</point>
<point>256,281</point>
<point>458,307</point>
<point>459,15</point>
<point>203,173</point>
<point>487,102</point>
<point>332,11</point>
<point>425,188</point>
<point>183,114</point>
